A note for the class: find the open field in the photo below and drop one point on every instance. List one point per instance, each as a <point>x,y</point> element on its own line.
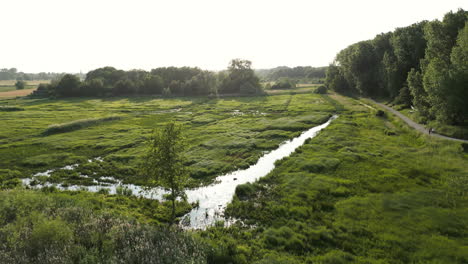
<point>222,134</point>
<point>28,83</point>
<point>15,93</point>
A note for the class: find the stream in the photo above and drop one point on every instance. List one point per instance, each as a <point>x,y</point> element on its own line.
<point>212,199</point>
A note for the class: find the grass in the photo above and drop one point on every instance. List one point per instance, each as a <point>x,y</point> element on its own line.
<point>77,124</point>
<point>355,194</point>
<point>222,134</point>
<point>367,189</point>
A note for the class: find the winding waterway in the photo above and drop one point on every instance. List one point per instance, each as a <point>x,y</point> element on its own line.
<point>212,199</point>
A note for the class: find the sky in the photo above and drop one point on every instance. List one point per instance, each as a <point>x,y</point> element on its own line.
<point>82,35</point>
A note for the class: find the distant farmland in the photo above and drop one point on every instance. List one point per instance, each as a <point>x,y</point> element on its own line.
<point>15,93</point>
<point>8,89</point>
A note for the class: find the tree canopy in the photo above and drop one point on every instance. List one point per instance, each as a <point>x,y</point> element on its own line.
<point>424,65</point>
<point>184,81</point>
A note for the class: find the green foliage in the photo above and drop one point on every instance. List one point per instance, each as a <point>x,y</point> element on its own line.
<point>283,83</point>
<point>77,124</point>
<point>10,108</point>
<point>356,194</point>
<point>164,161</point>
<point>322,89</point>
<point>38,227</point>
<point>299,74</point>
<point>422,64</point>
<point>241,79</point>
<point>9,178</point>
<point>20,85</point>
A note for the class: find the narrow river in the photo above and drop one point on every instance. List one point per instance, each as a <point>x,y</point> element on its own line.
<point>212,199</point>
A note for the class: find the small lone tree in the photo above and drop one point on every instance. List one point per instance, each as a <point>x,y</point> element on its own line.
<point>20,85</point>
<point>163,162</point>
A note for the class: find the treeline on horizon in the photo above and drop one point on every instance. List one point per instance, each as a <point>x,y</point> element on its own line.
<point>239,78</point>
<point>424,65</point>
<point>302,74</point>
<point>14,74</point>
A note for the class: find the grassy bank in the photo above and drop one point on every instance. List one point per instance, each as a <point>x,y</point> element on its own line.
<point>367,189</point>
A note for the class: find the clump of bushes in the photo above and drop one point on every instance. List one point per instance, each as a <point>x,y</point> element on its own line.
<point>77,124</point>
<point>38,227</point>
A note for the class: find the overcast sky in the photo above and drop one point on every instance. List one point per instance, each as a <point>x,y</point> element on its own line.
<point>81,35</point>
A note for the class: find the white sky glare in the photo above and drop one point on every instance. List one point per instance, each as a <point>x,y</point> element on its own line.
<point>81,35</point>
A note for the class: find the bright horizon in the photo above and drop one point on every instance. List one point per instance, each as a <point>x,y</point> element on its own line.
<point>74,36</point>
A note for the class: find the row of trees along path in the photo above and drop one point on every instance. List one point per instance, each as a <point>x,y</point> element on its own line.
<point>415,125</point>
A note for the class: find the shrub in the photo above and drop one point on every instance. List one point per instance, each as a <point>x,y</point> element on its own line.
<point>380,113</point>
<point>321,90</point>
<point>20,85</point>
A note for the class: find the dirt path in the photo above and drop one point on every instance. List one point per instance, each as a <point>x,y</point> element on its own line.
<point>415,125</point>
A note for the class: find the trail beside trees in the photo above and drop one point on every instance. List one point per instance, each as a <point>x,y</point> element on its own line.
<point>415,125</point>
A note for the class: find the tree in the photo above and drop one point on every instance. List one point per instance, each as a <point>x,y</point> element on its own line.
<point>69,85</point>
<point>241,78</point>
<point>164,162</point>
<point>20,85</point>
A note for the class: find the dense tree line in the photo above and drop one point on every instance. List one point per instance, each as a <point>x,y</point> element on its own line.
<point>300,73</point>
<point>424,65</point>
<point>239,78</point>
<point>14,74</point>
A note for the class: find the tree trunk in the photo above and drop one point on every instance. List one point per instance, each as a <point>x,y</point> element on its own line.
<point>173,198</point>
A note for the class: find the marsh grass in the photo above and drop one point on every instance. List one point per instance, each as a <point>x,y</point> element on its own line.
<point>77,124</point>
<point>375,196</point>
<point>219,138</point>
<point>10,108</point>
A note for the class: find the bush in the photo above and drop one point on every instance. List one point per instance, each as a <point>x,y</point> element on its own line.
<point>380,113</point>
<point>321,90</point>
<point>20,85</point>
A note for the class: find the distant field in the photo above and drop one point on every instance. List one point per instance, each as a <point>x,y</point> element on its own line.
<point>28,83</point>
<point>8,93</point>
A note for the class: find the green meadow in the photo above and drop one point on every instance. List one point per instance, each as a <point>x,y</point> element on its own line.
<point>222,134</point>
<point>367,189</point>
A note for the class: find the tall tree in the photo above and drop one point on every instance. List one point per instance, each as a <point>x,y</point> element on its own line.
<point>241,78</point>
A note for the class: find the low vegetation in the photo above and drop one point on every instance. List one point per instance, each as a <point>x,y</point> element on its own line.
<point>222,134</point>
<point>77,227</point>
<point>77,124</point>
<point>354,194</point>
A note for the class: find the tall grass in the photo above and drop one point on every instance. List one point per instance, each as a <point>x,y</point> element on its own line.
<point>10,108</point>
<point>77,124</point>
